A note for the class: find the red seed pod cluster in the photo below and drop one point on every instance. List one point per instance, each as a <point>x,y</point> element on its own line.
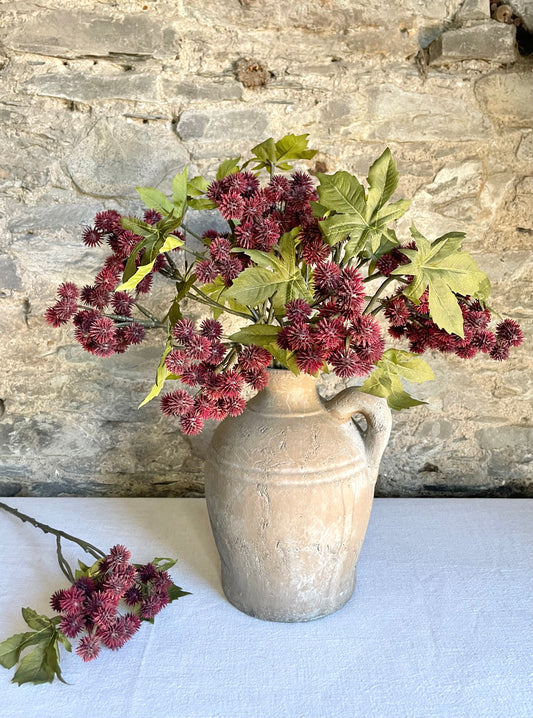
<point>97,333</point>
<point>413,322</point>
<point>338,334</point>
<point>263,215</point>
<point>202,362</point>
<point>92,606</point>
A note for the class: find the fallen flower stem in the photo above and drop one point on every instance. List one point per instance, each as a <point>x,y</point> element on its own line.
<point>63,564</point>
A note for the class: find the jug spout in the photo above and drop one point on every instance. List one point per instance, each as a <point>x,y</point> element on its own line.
<point>377,415</point>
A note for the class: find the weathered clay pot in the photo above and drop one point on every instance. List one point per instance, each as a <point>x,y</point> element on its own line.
<point>289,487</point>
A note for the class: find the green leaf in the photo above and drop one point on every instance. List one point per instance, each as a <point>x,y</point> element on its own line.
<point>11,648</point>
<point>382,181</point>
<point>338,227</point>
<point>411,366</point>
<point>447,270</point>
<point>254,285</point>
<point>260,334</point>
<point>35,621</point>
<point>284,357</point>
<point>137,226</point>
<point>343,193</point>
<point>161,374</point>
<point>179,191</point>
<point>201,204</point>
<point>85,570</point>
<point>393,211</point>
<point>164,564</point>
<point>175,592</point>
<point>36,667</point>
<point>154,199</point>
<point>52,658</point>
<point>385,380</point>
<point>197,186</point>
<point>265,152</point>
<point>228,167</point>
<point>139,275</point>
<point>293,147</point>
<point>131,264</point>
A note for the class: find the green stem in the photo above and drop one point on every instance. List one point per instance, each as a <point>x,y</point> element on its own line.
<point>204,299</point>
<point>385,284</point>
<point>147,313</point>
<point>155,324</point>
<point>193,234</point>
<point>63,564</point>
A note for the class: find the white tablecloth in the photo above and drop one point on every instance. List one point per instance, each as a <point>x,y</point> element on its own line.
<point>439,625</point>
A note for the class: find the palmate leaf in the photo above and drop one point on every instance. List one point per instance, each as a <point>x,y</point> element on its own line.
<point>361,219</point>
<point>275,277</point>
<point>385,380</point>
<point>293,147</point>
<point>446,270</point>
<point>280,154</point>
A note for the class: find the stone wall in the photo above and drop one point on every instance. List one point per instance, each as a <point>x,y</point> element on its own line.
<point>98,97</point>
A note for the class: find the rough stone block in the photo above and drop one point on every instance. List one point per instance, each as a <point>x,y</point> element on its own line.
<point>394,114</point>
<point>179,90</point>
<point>524,9</point>
<point>491,41</point>
<point>507,98</point>
<point>234,124</point>
<point>91,87</point>
<point>71,33</point>
<point>117,156</point>
<point>473,10</point>
<point>9,278</point>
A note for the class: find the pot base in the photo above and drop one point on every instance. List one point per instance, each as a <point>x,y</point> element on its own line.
<point>282,613</point>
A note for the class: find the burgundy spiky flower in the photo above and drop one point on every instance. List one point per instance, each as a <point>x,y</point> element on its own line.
<point>500,351</point>
<point>122,303</point>
<point>72,601</point>
<point>89,647</point>
<point>91,237</point>
<point>231,205</point>
<point>206,271</point>
<point>177,403</point>
<point>152,216</point>
<point>327,276</point>
<point>176,361</point>
<point>254,358</point>
<point>211,329</point>
<point>183,330</point>
<point>107,220</point>
<point>278,189</point>
<point>219,249</point>
<point>71,625</point>
<point>134,333</point>
<point>509,332</point>
<point>311,359</point>
<point>191,424</point>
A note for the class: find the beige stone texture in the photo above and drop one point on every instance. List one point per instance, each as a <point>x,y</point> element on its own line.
<point>99,97</point>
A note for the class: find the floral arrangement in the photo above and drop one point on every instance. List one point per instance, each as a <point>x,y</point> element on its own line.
<point>105,605</point>
<point>307,266</point>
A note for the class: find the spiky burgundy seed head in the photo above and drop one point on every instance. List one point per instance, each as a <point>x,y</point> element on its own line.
<point>91,237</point>
<point>89,647</point>
<point>509,332</point>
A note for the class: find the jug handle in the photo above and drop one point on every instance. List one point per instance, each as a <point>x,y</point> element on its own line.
<point>377,415</point>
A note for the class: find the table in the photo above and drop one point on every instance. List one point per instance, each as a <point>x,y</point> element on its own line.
<point>439,624</point>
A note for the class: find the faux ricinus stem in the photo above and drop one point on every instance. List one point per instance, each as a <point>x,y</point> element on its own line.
<point>63,564</point>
